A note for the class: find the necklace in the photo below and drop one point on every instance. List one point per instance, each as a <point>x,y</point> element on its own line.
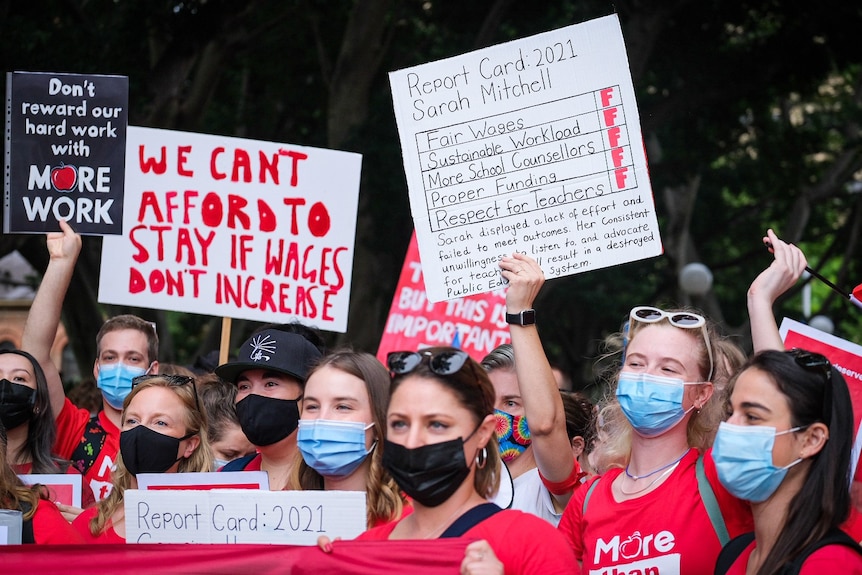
<point>651,483</point>
<point>654,471</point>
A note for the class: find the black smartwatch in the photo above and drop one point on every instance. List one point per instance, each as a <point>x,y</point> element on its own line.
<point>526,317</point>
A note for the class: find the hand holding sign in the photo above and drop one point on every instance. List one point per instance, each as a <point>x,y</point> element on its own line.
<point>777,278</point>
<point>64,245</point>
<point>855,296</point>
<point>480,559</point>
<point>525,279</point>
<point>782,274</point>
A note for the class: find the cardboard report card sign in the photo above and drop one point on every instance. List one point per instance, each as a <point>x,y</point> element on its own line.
<point>65,152</point>
<point>233,227</point>
<point>531,146</point>
<point>242,516</point>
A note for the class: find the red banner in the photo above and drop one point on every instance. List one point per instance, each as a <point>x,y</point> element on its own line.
<point>476,324</point>
<point>347,557</point>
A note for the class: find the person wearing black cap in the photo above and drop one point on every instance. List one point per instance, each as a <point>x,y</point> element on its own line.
<point>269,375</point>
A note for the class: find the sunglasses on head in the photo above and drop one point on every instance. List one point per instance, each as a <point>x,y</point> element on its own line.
<point>681,319</point>
<point>441,363</point>
<point>173,380</point>
<point>817,363</point>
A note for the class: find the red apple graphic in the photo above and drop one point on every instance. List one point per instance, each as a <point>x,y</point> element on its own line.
<point>64,178</point>
<point>631,547</point>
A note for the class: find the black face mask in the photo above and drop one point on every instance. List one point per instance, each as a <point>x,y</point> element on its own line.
<point>148,451</point>
<point>16,403</point>
<point>429,474</point>
<point>267,420</point>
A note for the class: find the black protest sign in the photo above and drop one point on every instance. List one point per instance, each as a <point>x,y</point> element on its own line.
<point>65,152</point>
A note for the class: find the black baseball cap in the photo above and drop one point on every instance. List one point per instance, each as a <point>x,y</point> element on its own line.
<point>274,350</point>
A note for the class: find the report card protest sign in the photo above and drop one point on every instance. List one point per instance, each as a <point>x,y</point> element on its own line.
<point>532,146</point>
<point>65,152</point>
<point>235,228</point>
<point>242,516</point>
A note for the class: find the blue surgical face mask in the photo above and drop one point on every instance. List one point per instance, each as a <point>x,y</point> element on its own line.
<point>651,403</point>
<point>743,460</point>
<point>115,381</point>
<point>332,448</point>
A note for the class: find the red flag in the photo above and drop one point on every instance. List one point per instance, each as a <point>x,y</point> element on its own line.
<point>476,324</point>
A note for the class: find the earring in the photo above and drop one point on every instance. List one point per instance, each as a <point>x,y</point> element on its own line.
<point>482,458</point>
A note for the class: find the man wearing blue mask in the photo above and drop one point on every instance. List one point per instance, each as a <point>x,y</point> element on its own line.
<point>126,346</point>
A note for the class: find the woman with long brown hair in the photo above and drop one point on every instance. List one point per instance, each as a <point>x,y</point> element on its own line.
<point>786,449</point>
<point>343,418</point>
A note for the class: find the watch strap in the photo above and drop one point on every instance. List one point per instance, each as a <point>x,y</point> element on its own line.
<point>525,317</point>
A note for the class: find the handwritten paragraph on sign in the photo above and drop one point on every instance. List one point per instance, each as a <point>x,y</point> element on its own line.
<point>530,146</point>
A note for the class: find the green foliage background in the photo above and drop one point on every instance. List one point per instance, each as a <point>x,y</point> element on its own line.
<point>750,112</point>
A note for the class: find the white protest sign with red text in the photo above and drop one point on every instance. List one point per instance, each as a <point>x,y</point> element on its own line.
<point>476,324</point>
<point>235,228</point>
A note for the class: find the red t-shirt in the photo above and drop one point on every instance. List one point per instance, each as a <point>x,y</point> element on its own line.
<point>522,542</point>
<point>829,559</point>
<point>71,424</point>
<point>81,525</point>
<point>50,527</point>
<point>664,531</point>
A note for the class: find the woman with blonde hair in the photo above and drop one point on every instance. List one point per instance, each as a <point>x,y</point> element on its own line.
<point>343,418</point>
<point>163,431</point>
<point>665,508</point>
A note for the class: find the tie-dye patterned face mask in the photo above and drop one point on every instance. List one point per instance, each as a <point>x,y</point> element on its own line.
<point>513,434</point>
